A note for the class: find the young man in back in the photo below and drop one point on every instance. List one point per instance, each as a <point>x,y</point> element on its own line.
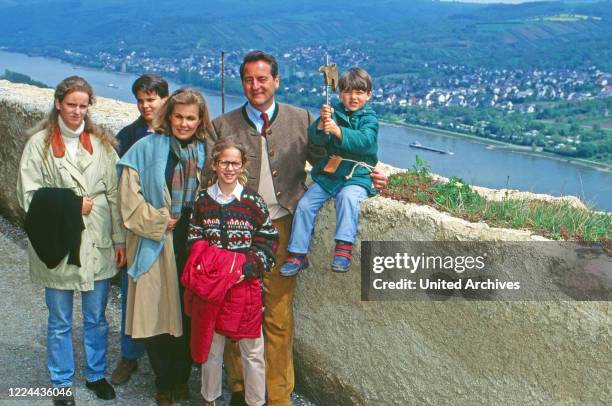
<point>151,92</point>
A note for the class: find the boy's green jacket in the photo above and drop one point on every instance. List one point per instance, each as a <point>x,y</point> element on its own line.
<point>359,143</point>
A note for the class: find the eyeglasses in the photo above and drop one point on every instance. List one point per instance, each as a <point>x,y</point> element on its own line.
<point>226,164</point>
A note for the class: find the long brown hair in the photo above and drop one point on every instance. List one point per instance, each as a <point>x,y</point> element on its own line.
<point>220,146</point>
<point>184,95</point>
<point>50,122</point>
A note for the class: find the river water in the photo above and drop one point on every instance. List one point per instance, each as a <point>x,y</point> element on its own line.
<point>475,162</point>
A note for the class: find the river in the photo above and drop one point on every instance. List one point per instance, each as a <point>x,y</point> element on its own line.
<point>473,161</point>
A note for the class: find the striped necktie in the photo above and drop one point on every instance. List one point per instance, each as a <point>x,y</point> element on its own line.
<point>266,126</point>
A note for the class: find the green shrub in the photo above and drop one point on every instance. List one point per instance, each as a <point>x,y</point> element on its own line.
<point>555,220</point>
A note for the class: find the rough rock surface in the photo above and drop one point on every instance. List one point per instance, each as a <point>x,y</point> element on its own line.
<point>441,353</point>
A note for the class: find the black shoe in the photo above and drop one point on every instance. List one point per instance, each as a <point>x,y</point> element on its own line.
<point>68,401</point>
<point>102,389</point>
<point>237,399</point>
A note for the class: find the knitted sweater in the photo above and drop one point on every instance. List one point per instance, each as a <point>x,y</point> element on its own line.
<point>242,225</point>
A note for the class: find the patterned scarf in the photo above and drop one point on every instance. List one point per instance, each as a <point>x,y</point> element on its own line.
<point>184,180</point>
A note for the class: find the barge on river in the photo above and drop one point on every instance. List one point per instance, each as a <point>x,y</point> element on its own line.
<point>418,145</point>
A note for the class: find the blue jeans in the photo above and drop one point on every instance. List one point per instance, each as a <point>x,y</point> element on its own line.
<point>129,348</point>
<point>60,357</point>
<point>348,201</point>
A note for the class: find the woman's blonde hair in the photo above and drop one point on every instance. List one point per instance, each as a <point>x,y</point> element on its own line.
<point>64,88</point>
<point>184,95</point>
<point>222,145</point>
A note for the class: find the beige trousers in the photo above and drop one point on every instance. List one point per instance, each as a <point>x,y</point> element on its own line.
<point>253,365</point>
<point>277,326</point>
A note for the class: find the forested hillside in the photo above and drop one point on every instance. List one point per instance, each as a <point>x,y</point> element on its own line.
<point>399,34</point>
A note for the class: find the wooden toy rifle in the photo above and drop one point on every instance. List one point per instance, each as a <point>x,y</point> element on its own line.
<point>330,77</point>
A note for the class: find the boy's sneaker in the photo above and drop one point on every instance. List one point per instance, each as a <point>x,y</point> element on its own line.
<point>340,264</point>
<point>343,254</point>
<point>294,264</point>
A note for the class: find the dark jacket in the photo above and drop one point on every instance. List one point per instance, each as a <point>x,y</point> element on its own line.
<point>130,134</point>
<point>359,143</point>
<point>54,224</point>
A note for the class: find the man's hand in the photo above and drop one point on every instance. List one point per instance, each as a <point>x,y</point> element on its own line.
<point>379,179</point>
<point>86,205</point>
<point>120,257</point>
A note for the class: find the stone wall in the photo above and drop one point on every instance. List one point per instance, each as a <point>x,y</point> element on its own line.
<point>402,353</point>
<point>441,353</point>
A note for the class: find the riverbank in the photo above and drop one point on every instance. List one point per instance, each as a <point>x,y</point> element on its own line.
<point>495,144</point>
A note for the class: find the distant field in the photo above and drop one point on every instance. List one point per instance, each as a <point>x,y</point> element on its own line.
<point>604,122</point>
<point>532,30</point>
<point>568,18</point>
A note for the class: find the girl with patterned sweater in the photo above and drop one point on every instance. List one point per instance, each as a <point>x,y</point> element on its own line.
<point>231,217</point>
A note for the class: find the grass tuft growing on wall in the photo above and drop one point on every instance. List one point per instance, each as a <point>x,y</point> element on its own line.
<point>555,220</point>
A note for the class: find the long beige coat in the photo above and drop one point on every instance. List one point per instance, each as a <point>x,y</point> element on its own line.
<point>88,175</point>
<point>153,304</point>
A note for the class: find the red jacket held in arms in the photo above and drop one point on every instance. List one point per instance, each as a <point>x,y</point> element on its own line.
<point>214,302</point>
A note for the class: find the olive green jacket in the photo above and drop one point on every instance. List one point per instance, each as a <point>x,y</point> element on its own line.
<point>91,175</point>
